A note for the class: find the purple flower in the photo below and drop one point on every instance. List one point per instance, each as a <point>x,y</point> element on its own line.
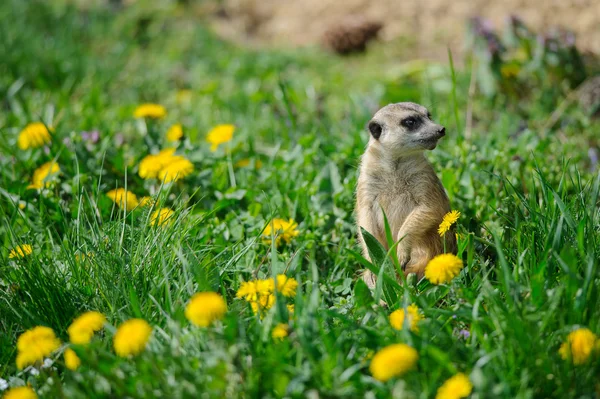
<point>482,26</point>
<point>92,136</point>
<point>464,334</point>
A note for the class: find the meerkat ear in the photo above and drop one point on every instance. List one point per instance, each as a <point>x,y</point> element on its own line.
<point>375,129</point>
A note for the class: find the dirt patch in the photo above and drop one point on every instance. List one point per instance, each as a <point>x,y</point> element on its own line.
<point>431,24</point>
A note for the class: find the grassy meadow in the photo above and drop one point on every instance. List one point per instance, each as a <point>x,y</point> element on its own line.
<point>515,162</point>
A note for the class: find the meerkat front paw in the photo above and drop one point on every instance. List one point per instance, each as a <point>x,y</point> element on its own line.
<point>404,255</point>
<point>417,262</point>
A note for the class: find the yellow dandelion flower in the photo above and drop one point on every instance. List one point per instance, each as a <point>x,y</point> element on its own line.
<point>161,217</point>
<point>414,316</point>
<point>34,345</point>
<point>264,303</point>
<point>280,331</point>
<point>20,393</point>
<point>244,163</point>
<point>261,293</point>
<point>44,175</point>
<point>123,198</point>
<point>151,164</point>
<point>146,201</point>
<point>205,308</point>
<point>291,308</point>
<point>449,219</point>
<point>455,387</point>
<point>248,290</point>
<point>149,167</point>
<point>175,132</point>
<point>393,361</point>
<point>282,230</point>
<point>265,287</point>
<point>72,361</point>
<point>131,337</point>
<point>149,110</point>
<point>83,328</point>
<point>443,268</point>
<point>579,346</point>
<point>220,134</point>
<point>255,307</point>
<point>175,170</point>
<point>34,135</point>
<point>20,251</point>
<point>286,285</point>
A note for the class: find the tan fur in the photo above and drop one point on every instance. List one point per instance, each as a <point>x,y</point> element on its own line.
<point>395,176</point>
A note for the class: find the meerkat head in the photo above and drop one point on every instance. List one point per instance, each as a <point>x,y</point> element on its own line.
<point>403,128</point>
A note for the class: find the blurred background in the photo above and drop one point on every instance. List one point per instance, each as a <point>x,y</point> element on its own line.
<point>429,25</point>
<point>509,40</point>
<point>535,59</point>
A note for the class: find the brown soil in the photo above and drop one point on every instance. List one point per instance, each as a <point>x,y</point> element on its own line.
<point>432,25</point>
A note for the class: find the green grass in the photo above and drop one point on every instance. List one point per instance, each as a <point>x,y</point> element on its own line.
<point>530,224</point>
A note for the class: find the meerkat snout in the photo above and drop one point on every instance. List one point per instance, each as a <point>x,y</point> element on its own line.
<point>397,180</point>
<point>404,128</point>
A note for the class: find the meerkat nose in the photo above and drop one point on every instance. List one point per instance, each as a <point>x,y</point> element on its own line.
<point>442,131</point>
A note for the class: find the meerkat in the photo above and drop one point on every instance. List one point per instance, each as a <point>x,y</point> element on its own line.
<point>396,178</point>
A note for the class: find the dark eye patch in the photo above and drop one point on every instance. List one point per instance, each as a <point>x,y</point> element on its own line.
<point>411,123</point>
<point>375,129</point>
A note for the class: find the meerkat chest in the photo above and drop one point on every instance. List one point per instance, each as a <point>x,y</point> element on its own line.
<point>396,188</point>
<point>393,194</point>
<point>396,196</point>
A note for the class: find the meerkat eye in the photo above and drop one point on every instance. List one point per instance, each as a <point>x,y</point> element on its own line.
<point>410,123</point>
